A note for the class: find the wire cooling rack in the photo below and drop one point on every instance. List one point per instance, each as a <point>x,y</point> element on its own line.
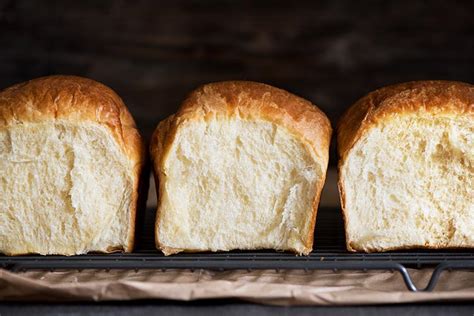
<point>329,254</point>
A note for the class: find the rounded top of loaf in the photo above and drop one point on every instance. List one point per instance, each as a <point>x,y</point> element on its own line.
<point>252,101</point>
<point>74,99</point>
<point>436,97</point>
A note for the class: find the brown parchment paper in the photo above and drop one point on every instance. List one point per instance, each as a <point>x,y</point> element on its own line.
<point>264,286</point>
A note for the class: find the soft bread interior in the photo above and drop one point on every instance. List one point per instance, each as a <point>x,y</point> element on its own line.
<point>236,184</point>
<point>409,183</point>
<point>64,189</point>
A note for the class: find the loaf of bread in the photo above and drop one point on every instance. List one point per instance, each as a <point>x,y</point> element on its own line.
<point>70,160</point>
<point>406,168</point>
<point>240,166</point>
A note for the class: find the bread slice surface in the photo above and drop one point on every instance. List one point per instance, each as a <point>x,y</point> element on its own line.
<point>71,158</point>
<point>406,167</point>
<point>240,166</point>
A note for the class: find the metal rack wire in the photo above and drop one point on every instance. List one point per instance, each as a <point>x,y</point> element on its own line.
<point>329,254</point>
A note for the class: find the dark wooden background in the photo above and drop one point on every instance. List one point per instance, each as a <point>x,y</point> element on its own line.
<point>154,52</point>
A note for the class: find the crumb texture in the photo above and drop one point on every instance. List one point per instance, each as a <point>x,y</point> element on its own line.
<point>236,184</point>
<point>409,182</point>
<point>65,188</point>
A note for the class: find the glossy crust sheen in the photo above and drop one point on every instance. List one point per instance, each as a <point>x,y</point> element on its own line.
<point>433,97</point>
<point>248,101</point>
<point>76,99</point>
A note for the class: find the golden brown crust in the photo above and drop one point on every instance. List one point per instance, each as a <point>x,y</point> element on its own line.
<point>76,99</point>
<point>248,101</point>
<point>158,140</point>
<point>430,97</point>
